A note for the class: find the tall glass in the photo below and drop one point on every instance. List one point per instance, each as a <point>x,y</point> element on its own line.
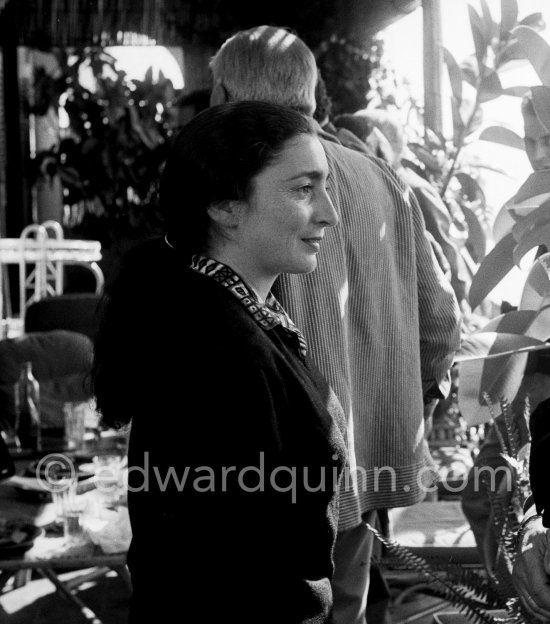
<point>75,424</point>
<point>68,508</point>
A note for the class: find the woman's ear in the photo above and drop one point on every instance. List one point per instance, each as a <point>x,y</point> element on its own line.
<point>225,213</point>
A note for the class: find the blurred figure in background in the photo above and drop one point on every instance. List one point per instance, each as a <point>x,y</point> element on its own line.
<point>190,104</point>
<point>377,144</point>
<point>536,135</point>
<point>536,141</point>
<point>322,116</point>
<point>475,501</point>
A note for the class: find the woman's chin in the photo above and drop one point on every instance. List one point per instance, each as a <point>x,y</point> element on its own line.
<point>305,267</point>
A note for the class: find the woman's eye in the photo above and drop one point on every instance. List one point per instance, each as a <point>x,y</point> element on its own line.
<point>306,189</point>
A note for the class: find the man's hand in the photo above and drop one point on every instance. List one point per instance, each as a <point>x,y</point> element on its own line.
<point>531,574</point>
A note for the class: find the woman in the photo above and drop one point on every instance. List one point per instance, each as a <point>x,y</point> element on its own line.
<point>236,441</point>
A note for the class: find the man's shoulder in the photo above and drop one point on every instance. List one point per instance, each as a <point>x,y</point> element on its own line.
<point>363,168</point>
<point>342,154</point>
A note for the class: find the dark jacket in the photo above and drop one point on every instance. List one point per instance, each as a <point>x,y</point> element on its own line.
<point>208,391</point>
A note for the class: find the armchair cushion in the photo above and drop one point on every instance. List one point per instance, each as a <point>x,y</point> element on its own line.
<point>61,362</point>
<point>77,312</point>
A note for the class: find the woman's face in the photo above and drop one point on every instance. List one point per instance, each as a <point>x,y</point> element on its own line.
<point>282,224</point>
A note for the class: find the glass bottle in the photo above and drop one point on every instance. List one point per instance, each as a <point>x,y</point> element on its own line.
<point>27,409</point>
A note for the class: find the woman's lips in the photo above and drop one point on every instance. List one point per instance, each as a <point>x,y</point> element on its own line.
<point>314,242</point>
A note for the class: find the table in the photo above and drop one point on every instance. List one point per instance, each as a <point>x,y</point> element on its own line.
<point>435,529</point>
<point>49,554</point>
<point>430,530</point>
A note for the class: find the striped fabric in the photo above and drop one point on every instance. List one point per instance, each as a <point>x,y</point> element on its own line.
<point>380,320</point>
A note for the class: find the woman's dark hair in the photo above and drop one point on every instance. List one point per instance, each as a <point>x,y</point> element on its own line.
<point>214,158</point>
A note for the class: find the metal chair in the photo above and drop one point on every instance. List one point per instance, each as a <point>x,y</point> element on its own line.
<point>41,252</point>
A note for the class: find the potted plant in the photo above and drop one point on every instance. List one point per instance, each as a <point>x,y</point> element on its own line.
<point>110,149</point>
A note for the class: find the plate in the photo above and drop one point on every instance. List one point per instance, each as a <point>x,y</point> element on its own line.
<point>31,489</point>
<point>17,536</point>
<point>82,470</point>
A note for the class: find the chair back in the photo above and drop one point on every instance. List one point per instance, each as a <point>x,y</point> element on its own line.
<point>76,312</point>
<point>61,362</point>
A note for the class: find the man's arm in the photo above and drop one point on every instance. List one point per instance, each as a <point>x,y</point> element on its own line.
<point>439,313</point>
<point>438,310</point>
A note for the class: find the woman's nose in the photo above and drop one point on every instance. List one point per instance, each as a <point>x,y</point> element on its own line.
<point>326,212</point>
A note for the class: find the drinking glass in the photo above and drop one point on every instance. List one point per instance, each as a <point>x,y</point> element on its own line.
<point>68,508</point>
<point>75,424</point>
<point>108,478</point>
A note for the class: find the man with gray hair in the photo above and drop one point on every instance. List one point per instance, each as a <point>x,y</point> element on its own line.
<point>380,319</point>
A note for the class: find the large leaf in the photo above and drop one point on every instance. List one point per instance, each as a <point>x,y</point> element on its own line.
<point>508,16</point>
<point>419,170</point>
<point>477,241</point>
<point>503,136</point>
<point>488,22</point>
<point>538,183</point>
<point>533,323</point>
<point>533,238</point>
<point>478,34</point>
<point>458,122</point>
<point>503,223</point>
<point>470,70</point>
<point>538,217</point>
<point>490,87</point>
<point>474,123</point>
<point>521,209</point>
<point>495,266</point>
<point>501,377</point>
<point>434,139</point>
<point>536,50</point>
<point>515,91</point>
<point>534,20</point>
<point>493,168</point>
<point>486,345</point>
<point>540,327</point>
<point>425,157</point>
<point>516,322</point>
<point>541,104</point>
<point>470,187</point>
<point>455,75</point>
<point>536,290</point>
<point>512,52</point>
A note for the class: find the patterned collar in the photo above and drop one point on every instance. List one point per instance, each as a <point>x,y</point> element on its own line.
<point>268,315</point>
